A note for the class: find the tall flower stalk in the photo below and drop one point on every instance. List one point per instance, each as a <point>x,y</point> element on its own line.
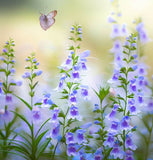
<point>32,141</point>
<point>126,99</point>
<point>71,88</point>
<point>7,120</point>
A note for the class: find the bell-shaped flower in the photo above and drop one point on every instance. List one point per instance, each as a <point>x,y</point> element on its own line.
<point>129,143</point>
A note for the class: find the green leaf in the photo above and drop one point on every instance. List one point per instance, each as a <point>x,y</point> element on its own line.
<point>131,95</point>
<point>2,70</point>
<point>74,129</point>
<point>24,119</point>
<point>42,127</point>
<point>103,92</point>
<point>64,97</point>
<point>123,70</point>
<point>32,93</point>
<point>69,84</point>
<point>71,48</point>
<point>16,154</point>
<point>43,147</point>
<point>65,91</point>
<point>20,149</point>
<point>38,139</point>
<point>61,114</point>
<point>18,146</point>
<point>18,141</point>
<point>130,69</point>
<point>26,103</point>
<point>35,85</point>
<point>22,135</point>
<point>1,134</point>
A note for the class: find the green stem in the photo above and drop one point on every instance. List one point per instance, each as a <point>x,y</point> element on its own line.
<point>31,80</point>
<point>55,150</point>
<point>103,127</point>
<point>7,89</point>
<point>126,98</point>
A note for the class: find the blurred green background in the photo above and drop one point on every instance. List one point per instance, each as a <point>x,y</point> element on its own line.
<point>19,19</point>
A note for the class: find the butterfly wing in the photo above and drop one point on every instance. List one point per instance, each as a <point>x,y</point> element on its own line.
<point>51,14</point>
<point>47,21</point>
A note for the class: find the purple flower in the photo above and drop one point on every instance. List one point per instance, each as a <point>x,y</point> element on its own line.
<point>47,102</point>
<point>134,67</point>
<point>55,131</point>
<point>110,140</point>
<point>34,60</point>
<point>8,98</point>
<point>114,127</point>
<point>133,87</point>
<point>98,157</point>
<point>1,91</point>
<point>2,59</point>
<point>150,104</point>
<point>124,31</point>
<point>125,123</point>
<point>84,54</point>
<point>98,154</point>
<point>116,31</point>
<point>36,113</point>
<point>143,36</point>
<point>116,151</point>
<point>129,144</point>
<point>71,150</point>
<point>79,29</point>
<point>69,138</point>
<point>27,59</point>
<point>83,66</point>
<point>72,98</point>
<point>129,155</point>
<point>111,116</point>
<point>86,125</point>
<point>12,70</point>
<point>74,113</point>
<point>5,115</point>
<point>115,75</point>
<point>75,75</point>
<point>72,28</point>
<point>96,108</point>
<point>18,83</point>
<point>37,63</point>
<point>38,73</point>
<point>117,47</point>
<point>132,109</point>
<point>13,61</point>
<point>96,122</point>
<point>80,136</point>
<point>68,61</point>
<point>26,75</point>
<point>140,99</point>
<point>55,116</point>
<point>84,91</point>
<point>4,50</point>
<point>111,19</point>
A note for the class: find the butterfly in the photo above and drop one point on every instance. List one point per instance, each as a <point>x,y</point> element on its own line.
<point>46,21</point>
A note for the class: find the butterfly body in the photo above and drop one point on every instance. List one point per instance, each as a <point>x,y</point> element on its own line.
<point>46,21</point>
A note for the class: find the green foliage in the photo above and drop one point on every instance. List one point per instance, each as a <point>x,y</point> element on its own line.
<point>31,147</point>
<point>103,92</point>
